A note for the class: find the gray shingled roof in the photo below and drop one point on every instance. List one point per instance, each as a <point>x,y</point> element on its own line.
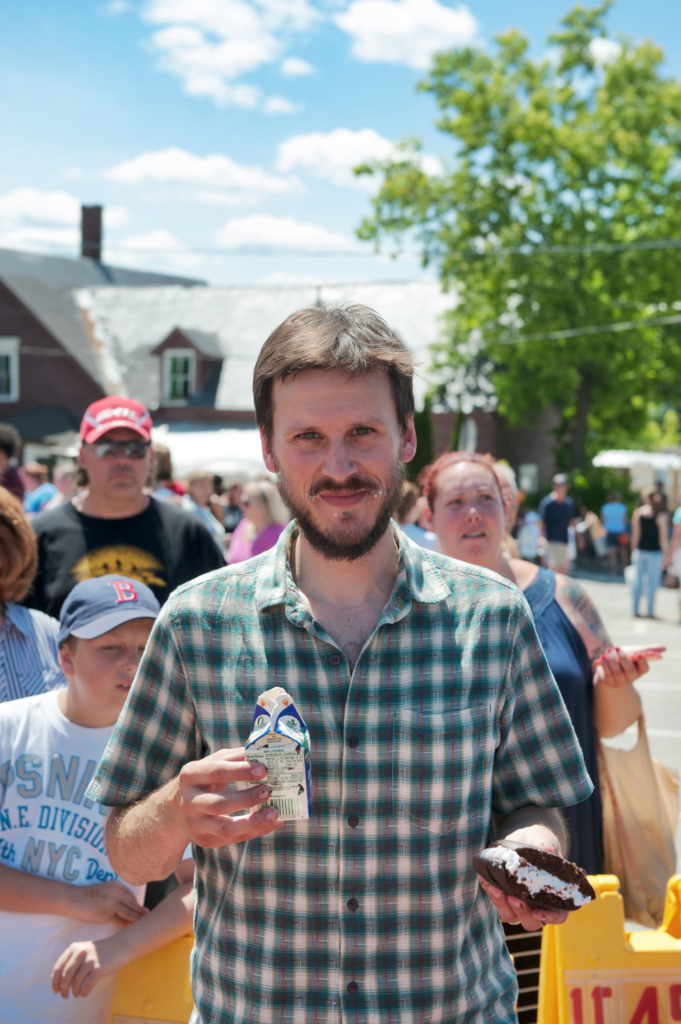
<point>44,284</point>
<point>127,324</point>
<point>205,341</point>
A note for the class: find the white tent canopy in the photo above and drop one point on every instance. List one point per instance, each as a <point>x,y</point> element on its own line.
<point>625,458</point>
<point>233,452</point>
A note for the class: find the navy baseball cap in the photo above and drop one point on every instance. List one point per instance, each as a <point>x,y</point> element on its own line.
<point>98,605</point>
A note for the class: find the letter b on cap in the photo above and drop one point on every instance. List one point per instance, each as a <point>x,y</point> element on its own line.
<point>124,589</point>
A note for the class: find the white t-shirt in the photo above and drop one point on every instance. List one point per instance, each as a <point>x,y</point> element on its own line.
<point>48,828</point>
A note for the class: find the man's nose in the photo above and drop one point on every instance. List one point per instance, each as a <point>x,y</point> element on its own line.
<point>338,462</point>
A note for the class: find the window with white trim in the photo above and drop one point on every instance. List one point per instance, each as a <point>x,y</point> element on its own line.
<point>179,374</point>
<point>9,369</point>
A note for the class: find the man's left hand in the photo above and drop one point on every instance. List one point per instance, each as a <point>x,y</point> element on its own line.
<point>515,911</point>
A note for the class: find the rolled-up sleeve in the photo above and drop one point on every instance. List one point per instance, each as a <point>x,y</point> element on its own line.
<point>538,758</point>
<point>156,733</point>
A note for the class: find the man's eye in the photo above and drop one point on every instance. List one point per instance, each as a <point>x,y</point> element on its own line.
<point>308,435</point>
<point>363,431</point>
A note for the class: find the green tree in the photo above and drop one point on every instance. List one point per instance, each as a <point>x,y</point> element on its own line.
<point>550,220</point>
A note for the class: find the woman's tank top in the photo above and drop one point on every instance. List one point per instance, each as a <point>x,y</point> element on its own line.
<point>650,534</point>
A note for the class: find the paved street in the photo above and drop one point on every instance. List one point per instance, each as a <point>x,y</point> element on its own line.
<point>661,688</point>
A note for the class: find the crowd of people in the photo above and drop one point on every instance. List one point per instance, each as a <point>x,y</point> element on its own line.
<point>438,700</point>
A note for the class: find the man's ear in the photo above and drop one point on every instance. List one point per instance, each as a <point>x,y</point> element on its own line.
<point>427,518</point>
<point>408,447</point>
<point>268,455</point>
<point>66,661</point>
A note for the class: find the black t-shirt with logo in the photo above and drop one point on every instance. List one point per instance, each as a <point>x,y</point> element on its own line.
<point>164,546</point>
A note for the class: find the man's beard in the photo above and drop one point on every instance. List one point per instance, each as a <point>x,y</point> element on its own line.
<point>339,549</point>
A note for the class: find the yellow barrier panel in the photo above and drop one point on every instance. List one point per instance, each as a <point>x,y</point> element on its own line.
<point>593,972</point>
<point>155,988</point>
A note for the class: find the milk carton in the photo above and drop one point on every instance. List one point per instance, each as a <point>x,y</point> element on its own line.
<point>279,740</point>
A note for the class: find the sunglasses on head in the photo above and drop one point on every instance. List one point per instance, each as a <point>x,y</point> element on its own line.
<point>129,449</point>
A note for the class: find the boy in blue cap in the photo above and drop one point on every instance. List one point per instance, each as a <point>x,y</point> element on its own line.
<point>62,908</point>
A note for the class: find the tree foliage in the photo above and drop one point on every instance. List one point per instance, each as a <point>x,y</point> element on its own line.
<point>563,180</point>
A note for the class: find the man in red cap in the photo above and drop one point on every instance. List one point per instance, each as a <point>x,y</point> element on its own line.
<point>114,526</point>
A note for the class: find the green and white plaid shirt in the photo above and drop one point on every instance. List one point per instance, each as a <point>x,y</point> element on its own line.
<point>370,911</point>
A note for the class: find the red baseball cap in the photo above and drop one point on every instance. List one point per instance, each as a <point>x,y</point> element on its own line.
<point>114,411</point>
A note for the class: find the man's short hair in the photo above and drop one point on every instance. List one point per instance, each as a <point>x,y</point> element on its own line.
<point>10,442</point>
<point>352,338</point>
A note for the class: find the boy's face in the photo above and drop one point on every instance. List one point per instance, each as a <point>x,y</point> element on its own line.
<point>100,672</point>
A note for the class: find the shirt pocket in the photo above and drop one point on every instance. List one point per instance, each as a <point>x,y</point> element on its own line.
<point>439,764</point>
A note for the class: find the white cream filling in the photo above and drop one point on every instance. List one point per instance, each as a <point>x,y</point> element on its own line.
<point>536,879</point>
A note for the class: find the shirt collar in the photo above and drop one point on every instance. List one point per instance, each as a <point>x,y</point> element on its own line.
<point>418,575</point>
<point>17,616</point>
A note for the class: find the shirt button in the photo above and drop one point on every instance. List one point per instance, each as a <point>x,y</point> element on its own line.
<point>353,741</point>
<point>353,904</point>
<point>353,988</point>
<point>353,820</point>
<point>335,659</point>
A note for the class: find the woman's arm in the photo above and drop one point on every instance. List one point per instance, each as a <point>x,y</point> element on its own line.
<point>23,893</point>
<point>617,703</point>
<point>82,964</point>
<point>676,540</point>
<point>663,533</point>
<point>635,529</point>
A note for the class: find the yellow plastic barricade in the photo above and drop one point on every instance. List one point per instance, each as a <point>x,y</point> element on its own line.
<point>155,989</point>
<point>593,972</point>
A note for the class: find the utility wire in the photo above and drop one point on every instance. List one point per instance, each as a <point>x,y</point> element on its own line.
<point>578,332</point>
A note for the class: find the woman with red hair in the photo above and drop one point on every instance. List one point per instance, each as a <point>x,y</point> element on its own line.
<point>29,658</point>
<point>469,507</point>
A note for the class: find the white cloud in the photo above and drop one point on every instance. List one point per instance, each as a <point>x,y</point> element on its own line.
<point>264,231</point>
<point>294,66</point>
<point>210,44</point>
<point>604,50</point>
<point>154,246</point>
<point>32,205</point>
<point>215,171</point>
<point>332,155</point>
<point>116,7</point>
<point>115,217</point>
<point>38,239</point>
<point>405,31</point>
<point>279,105</point>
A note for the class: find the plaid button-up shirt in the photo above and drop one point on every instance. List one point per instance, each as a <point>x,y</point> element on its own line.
<point>370,911</point>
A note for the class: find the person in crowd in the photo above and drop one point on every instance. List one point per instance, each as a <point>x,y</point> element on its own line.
<point>163,486</point>
<point>616,524</point>
<point>596,680</point>
<point>674,554</point>
<point>10,447</point>
<point>405,665</point>
<point>114,525</point>
<point>198,501</point>
<point>530,537</point>
<point>38,489</point>
<point>62,908</point>
<point>64,479</point>
<point>262,523</point>
<point>558,514</point>
<point>29,656</point>
<point>662,496</point>
<point>231,511</point>
<point>649,546</point>
<point>408,513</point>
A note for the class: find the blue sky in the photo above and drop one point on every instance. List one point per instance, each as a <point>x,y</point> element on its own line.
<point>232,124</point>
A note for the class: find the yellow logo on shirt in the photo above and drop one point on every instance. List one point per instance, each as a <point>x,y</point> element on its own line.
<point>121,559</point>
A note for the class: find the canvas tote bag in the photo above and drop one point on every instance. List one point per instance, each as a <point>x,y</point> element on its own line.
<point>640,799</point>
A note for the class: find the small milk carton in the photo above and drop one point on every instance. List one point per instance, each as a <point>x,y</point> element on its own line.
<point>279,740</point>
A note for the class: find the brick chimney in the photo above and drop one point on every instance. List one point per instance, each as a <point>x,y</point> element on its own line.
<point>91,232</point>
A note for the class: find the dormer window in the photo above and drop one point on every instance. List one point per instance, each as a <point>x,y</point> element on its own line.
<point>179,374</point>
<point>9,369</point>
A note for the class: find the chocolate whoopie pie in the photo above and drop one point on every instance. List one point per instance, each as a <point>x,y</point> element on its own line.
<point>543,880</point>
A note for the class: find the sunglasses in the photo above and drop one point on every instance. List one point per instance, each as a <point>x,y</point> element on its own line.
<point>128,449</point>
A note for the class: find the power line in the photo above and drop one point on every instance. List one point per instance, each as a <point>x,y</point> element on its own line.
<point>577,332</point>
<point>527,250</point>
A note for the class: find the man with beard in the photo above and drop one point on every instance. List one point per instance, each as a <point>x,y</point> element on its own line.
<point>429,704</point>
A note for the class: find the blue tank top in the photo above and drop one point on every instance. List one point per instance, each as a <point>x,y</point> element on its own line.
<point>569,661</point>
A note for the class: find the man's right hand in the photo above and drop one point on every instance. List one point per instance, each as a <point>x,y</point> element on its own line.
<point>205,803</point>
<point>106,903</point>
